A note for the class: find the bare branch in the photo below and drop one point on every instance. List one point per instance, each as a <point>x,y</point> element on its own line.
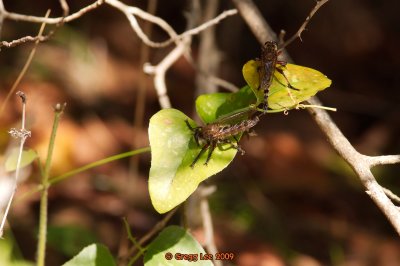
<point>391,195</point>
<point>64,7</point>
<point>209,23</point>
<point>385,159</point>
<point>360,163</point>
<point>130,12</point>
<point>38,38</point>
<point>22,40</point>
<point>50,21</point>
<point>160,70</point>
<point>204,193</point>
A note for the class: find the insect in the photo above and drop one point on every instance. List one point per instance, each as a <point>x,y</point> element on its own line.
<point>269,61</point>
<point>223,130</point>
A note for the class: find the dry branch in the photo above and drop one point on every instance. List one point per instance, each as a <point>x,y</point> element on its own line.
<point>360,163</point>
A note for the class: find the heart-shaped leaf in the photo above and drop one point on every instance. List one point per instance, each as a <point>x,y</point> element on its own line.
<point>93,255</point>
<point>306,81</point>
<point>173,150</point>
<point>174,246</point>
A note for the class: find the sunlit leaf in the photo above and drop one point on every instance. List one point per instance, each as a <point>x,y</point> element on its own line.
<point>307,82</point>
<point>27,157</point>
<point>173,149</point>
<point>174,246</point>
<point>93,255</point>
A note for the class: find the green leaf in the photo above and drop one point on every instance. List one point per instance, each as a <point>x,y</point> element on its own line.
<point>93,255</point>
<point>27,157</point>
<point>173,149</point>
<point>178,243</point>
<point>307,81</point>
<point>212,106</point>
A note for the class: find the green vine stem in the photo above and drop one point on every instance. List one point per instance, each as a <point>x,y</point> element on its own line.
<point>58,110</point>
<point>55,180</point>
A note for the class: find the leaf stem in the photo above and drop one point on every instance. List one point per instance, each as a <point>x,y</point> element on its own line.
<point>45,184</point>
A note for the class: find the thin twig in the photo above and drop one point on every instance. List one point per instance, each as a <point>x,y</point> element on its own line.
<point>160,70</point>
<point>134,242</point>
<point>24,69</point>
<point>26,39</point>
<point>51,21</point>
<point>207,222</point>
<point>131,12</point>
<point>65,8</point>
<point>208,24</point>
<point>303,26</point>
<point>158,227</point>
<point>23,134</point>
<point>391,195</point>
<point>384,159</point>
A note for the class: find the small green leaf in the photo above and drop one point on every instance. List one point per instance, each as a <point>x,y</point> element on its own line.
<point>93,255</point>
<point>27,157</point>
<point>176,242</point>
<point>307,81</point>
<point>173,149</point>
<point>212,106</point>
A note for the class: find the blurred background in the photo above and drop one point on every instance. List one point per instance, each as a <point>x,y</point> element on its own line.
<point>290,200</point>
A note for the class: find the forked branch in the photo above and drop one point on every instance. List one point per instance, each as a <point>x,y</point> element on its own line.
<point>360,163</point>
